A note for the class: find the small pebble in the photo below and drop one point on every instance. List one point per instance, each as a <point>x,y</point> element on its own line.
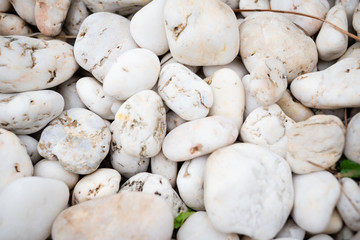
<point>11,24</point>
<point>162,166</point>
<point>31,147</point>
<point>352,141</point>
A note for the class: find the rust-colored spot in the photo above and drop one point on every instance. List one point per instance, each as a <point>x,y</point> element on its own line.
<point>17,167</point>
<point>195,149</point>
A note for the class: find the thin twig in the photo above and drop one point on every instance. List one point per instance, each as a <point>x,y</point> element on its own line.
<point>345,118</point>
<point>300,14</point>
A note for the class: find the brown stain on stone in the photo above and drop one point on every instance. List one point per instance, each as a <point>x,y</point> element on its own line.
<point>196,149</point>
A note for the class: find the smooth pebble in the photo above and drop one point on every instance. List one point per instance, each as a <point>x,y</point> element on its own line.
<point>11,24</point>
<point>162,166</point>
<point>31,147</point>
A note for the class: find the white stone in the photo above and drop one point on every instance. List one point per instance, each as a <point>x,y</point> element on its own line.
<point>316,195</point>
<point>50,15</point>
<point>251,103</point>
<point>157,185</point>
<point>291,230</point>
<point>349,203</point>
<point>75,16</point>
<point>190,182</point>
<point>236,65</point>
<point>270,35</point>
<point>267,127</point>
<point>253,4</point>
<point>33,64</point>
<point>201,33</point>
<point>335,87</point>
<point>53,169</point>
<point>101,183</point>
<point>11,24</point>
<point>126,164</point>
<point>78,138</point>
<point>70,95</point>
<point>141,124</point>
<point>147,27</point>
<point>133,71</point>
<point>352,140</point>
<point>34,110</point>
<point>122,7</point>
<point>229,95</point>
<point>126,216</point>
<point>101,39</point>
<point>317,8</point>
<point>260,202</point>
<point>25,9</point>
<point>14,161</point>
<point>31,147</point>
<point>29,206</point>
<point>268,81</point>
<point>199,137</point>
<point>352,51</point>
<point>321,237</point>
<point>199,227</point>
<point>331,43</point>
<point>335,224</point>
<point>173,120</point>
<point>315,144</point>
<point>162,166</point>
<point>292,108</point>
<point>184,92</point>
<point>93,96</point>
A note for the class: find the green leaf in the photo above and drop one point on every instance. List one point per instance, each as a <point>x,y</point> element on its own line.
<point>181,218</point>
<point>349,169</point>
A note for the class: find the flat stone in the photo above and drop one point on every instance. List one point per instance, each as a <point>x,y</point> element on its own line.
<point>127,216</point>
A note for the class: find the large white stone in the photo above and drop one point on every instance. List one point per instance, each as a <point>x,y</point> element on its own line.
<point>335,87</point>
<point>316,195</point>
<point>349,203</point>
<point>141,124</point>
<point>267,127</point>
<point>229,95</point>
<point>270,35</point>
<point>28,112</point>
<point>102,37</point>
<point>199,227</point>
<point>184,92</point>
<point>125,216</point>
<point>315,144</point>
<point>29,206</point>
<point>199,137</point>
<point>352,140</point>
<point>248,190</point>
<point>14,161</point>
<point>202,32</point>
<point>101,183</point>
<point>133,71</point>
<point>31,64</point>
<point>78,138</point>
<point>157,185</point>
<point>147,27</point>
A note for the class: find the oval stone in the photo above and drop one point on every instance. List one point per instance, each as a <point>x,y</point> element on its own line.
<point>126,216</point>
